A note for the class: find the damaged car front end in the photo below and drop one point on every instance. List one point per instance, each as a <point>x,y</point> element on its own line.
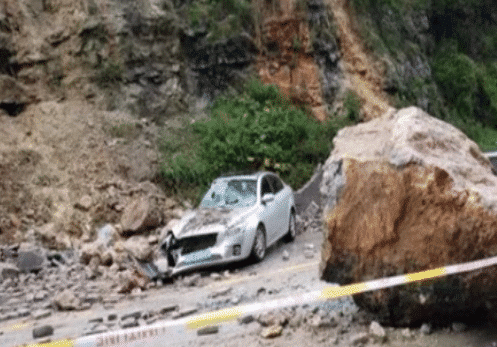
<point>224,227</point>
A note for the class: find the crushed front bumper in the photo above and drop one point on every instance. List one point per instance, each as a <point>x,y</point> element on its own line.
<point>194,252</point>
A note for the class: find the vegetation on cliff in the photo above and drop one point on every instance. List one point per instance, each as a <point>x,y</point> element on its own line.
<point>258,129</point>
<point>439,55</point>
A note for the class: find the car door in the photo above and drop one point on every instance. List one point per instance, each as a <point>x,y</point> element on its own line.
<point>281,207</point>
<point>268,211</point>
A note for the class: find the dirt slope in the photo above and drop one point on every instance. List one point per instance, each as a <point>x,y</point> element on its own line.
<point>285,56</point>
<point>363,74</point>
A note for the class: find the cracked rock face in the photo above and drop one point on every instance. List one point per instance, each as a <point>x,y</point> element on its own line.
<point>408,193</point>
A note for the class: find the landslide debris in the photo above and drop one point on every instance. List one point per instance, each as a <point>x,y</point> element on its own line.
<point>362,74</point>
<point>406,193</point>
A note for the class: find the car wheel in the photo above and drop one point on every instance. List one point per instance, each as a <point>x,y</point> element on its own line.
<point>259,247</point>
<point>292,228</point>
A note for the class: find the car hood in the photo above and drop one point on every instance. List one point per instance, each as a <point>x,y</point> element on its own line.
<point>205,220</point>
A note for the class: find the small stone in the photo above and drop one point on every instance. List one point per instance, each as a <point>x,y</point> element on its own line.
<point>99,328</point>
<point>135,315</point>
<point>153,239</point>
<point>309,247</point>
<point>308,254</point>
<point>286,255</point>
<point>425,329</point>
<point>42,331</point>
<point>8,271</point>
<point>67,300</point>
<point>84,203</point>
<point>208,330</point>
<point>407,333</point>
<point>129,323</point>
<point>458,327</point>
<point>28,261</point>
<point>359,339</point>
<point>271,332</point>
<point>246,319</point>
<point>169,308</point>
<point>41,295</point>
<point>235,300</point>
<point>215,276</point>
<point>23,312</point>
<point>221,292</point>
<point>184,312</point>
<point>377,331</point>
<point>192,280</point>
<point>96,320</point>
<point>40,314</point>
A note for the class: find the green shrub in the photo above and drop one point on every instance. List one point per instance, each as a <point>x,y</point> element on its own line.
<point>223,18</point>
<point>258,129</point>
<point>352,106</point>
<point>456,75</point>
<point>109,74</point>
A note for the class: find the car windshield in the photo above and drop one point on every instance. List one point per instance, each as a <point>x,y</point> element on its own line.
<point>231,193</point>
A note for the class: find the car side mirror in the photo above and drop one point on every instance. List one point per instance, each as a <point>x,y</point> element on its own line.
<point>267,198</point>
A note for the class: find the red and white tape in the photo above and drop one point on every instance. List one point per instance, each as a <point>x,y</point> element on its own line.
<point>140,335</point>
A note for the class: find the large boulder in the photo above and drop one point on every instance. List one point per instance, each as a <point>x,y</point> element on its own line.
<point>407,193</point>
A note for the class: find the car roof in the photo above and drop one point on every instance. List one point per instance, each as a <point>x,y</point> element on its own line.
<point>252,175</point>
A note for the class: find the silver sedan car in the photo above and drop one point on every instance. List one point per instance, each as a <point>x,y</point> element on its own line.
<point>239,217</point>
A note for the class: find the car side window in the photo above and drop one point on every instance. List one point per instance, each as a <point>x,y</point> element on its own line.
<point>277,184</point>
<point>265,186</point>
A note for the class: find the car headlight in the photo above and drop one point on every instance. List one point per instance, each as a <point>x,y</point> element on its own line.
<point>235,229</point>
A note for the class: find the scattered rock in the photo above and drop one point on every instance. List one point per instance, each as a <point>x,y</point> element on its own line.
<point>272,331</point>
<point>407,333</point>
<point>40,296</point>
<point>192,280</point>
<point>99,328</point>
<point>84,203</point>
<point>220,292</point>
<point>8,270</point>
<point>169,308</point>
<point>30,261</point>
<point>140,215</point>
<point>106,234</point>
<point>377,331</point>
<point>458,327</point>
<point>135,315</point>
<point>45,330</point>
<point>184,312</point>
<point>308,254</point>
<point>246,319</point>
<point>215,276</point>
<point>272,318</point>
<point>130,322</point>
<point>208,330</point>
<point>67,300</point>
<point>425,329</point>
<point>139,248</point>
<point>23,312</point>
<point>359,339</point>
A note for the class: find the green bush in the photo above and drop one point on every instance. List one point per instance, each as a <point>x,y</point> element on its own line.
<point>223,18</point>
<point>352,106</point>
<point>109,74</point>
<point>259,130</point>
